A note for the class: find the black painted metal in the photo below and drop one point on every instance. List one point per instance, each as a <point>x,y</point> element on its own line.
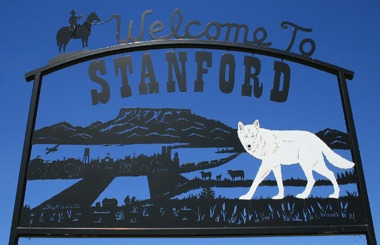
<point>371,238</point>
<point>188,232</point>
<point>166,44</point>
<point>70,60</point>
<point>25,158</point>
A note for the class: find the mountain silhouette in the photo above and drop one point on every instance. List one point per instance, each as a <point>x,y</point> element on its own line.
<point>335,139</point>
<point>164,125</point>
<point>143,126</point>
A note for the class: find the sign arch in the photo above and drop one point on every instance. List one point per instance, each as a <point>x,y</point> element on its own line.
<point>70,60</point>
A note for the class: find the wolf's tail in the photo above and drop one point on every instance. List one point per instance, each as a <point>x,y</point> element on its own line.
<point>335,159</point>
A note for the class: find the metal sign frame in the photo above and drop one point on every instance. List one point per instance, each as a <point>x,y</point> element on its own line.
<point>37,75</point>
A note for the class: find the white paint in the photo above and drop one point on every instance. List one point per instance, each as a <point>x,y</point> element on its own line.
<point>276,148</point>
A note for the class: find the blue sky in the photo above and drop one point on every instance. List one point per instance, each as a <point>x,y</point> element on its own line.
<point>346,35</point>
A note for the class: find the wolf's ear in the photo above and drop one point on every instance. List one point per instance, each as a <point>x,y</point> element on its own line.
<point>240,126</point>
<point>256,124</point>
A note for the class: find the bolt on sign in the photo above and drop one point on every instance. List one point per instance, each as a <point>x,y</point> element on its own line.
<point>200,129</point>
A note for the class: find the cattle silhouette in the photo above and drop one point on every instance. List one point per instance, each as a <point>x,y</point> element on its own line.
<point>205,175</point>
<point>236,173</point>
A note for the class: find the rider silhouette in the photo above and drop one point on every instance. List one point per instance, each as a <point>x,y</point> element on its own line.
<point>73,20</point>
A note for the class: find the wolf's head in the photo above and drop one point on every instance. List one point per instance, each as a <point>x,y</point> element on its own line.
<point>248,134</point>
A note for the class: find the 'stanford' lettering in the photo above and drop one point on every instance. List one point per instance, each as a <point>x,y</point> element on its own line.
<point>177,76</point>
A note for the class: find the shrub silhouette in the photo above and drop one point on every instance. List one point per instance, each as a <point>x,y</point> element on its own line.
<point>207,194</point>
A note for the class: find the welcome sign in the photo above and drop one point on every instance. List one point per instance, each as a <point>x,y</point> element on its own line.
<point>199,130</point>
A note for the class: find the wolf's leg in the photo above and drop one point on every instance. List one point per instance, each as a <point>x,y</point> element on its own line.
<point>322,169</point>
<point>263,172</point>
<point>278,175</point>
<point>310,182</point>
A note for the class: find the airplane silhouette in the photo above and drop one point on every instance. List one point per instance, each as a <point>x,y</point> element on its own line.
<point>53,149</point>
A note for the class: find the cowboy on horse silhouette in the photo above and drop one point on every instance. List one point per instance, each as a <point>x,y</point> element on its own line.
<point>75,30</point>
<point>73,20</point>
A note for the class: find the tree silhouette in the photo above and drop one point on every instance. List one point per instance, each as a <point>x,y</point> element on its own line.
<point>207,194</point>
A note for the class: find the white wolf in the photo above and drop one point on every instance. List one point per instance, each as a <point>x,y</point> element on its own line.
<point>276,148</point>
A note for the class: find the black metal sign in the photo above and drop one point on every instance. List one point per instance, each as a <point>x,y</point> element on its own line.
<point>184,134</point>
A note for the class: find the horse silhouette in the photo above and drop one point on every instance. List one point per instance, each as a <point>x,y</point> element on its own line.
<point>83,31</point>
